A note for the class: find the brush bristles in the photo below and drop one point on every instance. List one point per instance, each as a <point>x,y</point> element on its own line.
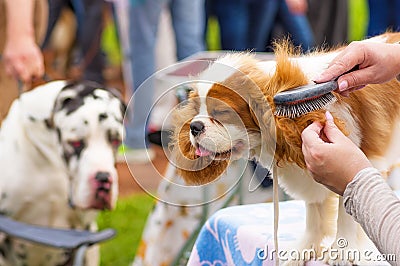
<point>304,107</point>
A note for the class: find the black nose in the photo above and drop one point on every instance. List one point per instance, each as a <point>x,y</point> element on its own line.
<point>196,127</point>
<point>103,177</point>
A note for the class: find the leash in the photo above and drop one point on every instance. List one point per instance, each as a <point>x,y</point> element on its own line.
<point>275,189</point>
<point>22,87</point>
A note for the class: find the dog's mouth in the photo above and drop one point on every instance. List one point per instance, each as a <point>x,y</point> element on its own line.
<point>220,155</point>
<point>102,196</point>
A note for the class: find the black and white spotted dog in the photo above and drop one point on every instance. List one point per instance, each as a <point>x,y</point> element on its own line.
<point>57,164</point>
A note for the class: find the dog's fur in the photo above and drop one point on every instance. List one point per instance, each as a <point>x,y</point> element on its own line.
<point>57,161</point>
<point>230,115</point>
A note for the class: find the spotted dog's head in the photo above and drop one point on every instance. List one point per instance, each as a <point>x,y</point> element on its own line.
<point>88,120</point>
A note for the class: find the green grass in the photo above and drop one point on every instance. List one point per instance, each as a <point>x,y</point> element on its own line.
<point>128,219</point>
<point>358,19</point>
<point>212,37</point>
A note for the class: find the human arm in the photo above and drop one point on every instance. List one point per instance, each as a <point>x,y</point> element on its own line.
<point>21,56</point>
<point>297,6</point>
<point>340,165</point>
<point>372,203</point>
<point>377,63</point>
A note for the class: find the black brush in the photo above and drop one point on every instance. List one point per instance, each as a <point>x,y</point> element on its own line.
<point>305,99</point>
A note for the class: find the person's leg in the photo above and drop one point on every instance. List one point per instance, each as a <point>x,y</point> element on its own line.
<point>55,7</point>
<point>8,85</point>
<point>188,20</point>
<point>396,15</point>
<point>143,24</point>
<point>89,38</point>
<point>262,15</point>
<point>232,16</point>
<point>378,16</point>
<point>297,26</point>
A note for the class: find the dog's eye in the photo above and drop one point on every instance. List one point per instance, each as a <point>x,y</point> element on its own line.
<point>215,113</point>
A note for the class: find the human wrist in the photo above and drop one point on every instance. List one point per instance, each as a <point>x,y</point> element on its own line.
<point>356,170</point>
<point>19,19</point>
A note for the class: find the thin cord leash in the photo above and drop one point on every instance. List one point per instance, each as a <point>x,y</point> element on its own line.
<point>275,189</point>
<point>22,87</point>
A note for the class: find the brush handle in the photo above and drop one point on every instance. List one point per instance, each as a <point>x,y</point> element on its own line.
<point>309,91</point>
<point>305,92</point>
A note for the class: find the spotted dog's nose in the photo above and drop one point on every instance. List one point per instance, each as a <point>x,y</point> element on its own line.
<point>196,128</point>
<point>103,177</point>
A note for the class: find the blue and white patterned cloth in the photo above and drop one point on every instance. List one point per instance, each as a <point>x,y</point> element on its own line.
<point>243,235</point>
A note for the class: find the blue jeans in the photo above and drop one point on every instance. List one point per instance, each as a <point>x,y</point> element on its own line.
<point>265,14</point>
<point>232,16</point>
<point>383,15</point>
<point>89,17</point>
<point>188,24</point>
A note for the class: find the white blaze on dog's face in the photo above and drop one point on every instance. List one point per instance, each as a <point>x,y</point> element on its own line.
<point>88,121</point>
<point>223,126</point>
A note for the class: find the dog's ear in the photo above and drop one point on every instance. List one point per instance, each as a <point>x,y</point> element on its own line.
<point>117,93</point>
<point>193,169</point>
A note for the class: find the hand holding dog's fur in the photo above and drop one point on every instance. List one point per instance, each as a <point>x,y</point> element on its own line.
<point>335,161</point>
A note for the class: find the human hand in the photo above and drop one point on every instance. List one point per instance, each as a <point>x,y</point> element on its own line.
<point>377,63</point>
<point>331,157</point>
<point>22,58</point>
<point>298,7</point>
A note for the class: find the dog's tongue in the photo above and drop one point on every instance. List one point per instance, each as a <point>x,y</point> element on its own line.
<point>200,151</point>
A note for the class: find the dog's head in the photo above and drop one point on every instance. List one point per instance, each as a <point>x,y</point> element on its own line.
<point>230,115</point>
<point>218,123</point>
<point>88,120</point>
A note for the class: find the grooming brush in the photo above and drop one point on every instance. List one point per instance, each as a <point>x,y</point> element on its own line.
<point>305,99</point>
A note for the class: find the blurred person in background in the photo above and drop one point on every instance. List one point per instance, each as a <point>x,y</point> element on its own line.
<point>329,21</point>
<point>383,15</point>
<point>22,29</point>
<point>188,24</point>
<point>89,16</point>
<point>249,24</point>
<point>289,15</point>
<point>233,21</point>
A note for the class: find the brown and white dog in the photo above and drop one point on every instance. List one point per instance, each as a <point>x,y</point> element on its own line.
<point>230,114</point>
<point>57,161</point>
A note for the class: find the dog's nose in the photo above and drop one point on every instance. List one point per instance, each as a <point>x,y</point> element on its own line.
<point>102,177</point>
<point>196,127</point>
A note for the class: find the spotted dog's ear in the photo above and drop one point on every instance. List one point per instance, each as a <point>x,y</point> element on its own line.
<point>59,104</point>
<point>117,93</point>
<point>114,91</point>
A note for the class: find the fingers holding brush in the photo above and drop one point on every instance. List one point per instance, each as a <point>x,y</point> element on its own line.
<point>366,63</point>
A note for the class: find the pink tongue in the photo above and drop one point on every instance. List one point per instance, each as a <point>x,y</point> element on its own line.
<point>200,151</point>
